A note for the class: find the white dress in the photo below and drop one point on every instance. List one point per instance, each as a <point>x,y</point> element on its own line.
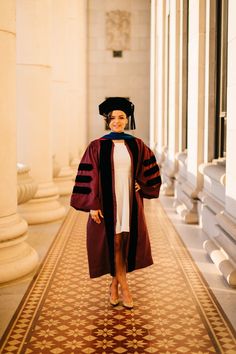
<point>122,171</point>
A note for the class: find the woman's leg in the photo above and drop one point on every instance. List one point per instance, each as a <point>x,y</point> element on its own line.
<point>114,290</point>
<point>115,282</point>
<point>120,265</point>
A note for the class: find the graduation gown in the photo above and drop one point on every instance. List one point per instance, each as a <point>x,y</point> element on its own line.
<point>94,189</point>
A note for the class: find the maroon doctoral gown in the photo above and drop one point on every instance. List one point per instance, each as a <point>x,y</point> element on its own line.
<point>94,189</point>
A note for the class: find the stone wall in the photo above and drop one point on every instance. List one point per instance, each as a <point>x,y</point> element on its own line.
<point>119,25</point>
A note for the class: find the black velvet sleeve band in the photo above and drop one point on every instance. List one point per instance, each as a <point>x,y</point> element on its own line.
<point>81,190</point>
<point>83,179</point>
<point>149,161</point>
<point>85,167</point>
<point>151,171</point>
<point>154,181</point>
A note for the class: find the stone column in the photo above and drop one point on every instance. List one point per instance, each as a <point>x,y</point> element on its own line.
<point>61,111</point>
<point>161,79</point>
<point>231,122</point>
<point>34,108</point>
<point>217,203</point>
<point>170,166</point>
<point>183,74</point>
<point>188,203</point>
<point>17,258</point>
<point>181,156</point>
<point>225,237</point>
<point>77,76</point>
<point>153,58</point>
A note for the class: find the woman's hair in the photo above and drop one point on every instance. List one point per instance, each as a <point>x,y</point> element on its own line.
<point>108,118</point>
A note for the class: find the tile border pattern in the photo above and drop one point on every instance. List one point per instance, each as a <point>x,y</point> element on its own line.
<point>178,293</point>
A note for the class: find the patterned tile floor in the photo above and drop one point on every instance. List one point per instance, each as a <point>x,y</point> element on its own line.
<point>64,311</point>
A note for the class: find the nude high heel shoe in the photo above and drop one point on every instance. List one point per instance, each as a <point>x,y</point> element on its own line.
<point>113,302</point>
<point>128,304</point>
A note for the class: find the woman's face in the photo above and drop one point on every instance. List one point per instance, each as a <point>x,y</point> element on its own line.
<point>118,121</point>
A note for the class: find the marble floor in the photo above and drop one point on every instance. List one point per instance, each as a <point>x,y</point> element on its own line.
<point>41,236</point>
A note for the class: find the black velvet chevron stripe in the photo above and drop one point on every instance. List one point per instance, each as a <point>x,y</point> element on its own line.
<point>151,171</point>
<point>154,181</point>
<point>83,179</point>
<point>85,167</point>
<point>149,161</point>
<point>81,190</point>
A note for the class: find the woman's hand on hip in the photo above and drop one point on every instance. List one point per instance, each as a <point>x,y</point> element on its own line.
<point>137,187</point>
<point>96,215</point>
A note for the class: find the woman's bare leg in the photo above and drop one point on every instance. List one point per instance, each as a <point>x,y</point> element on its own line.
<point>114,289</point>
<point>121,269</point>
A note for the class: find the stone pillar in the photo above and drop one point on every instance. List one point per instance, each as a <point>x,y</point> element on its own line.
<point>34,108</point>
<point>221,247</point>
<point>181,178</point>
<point>210,81</point>
<point>170,166</point>
<point>183,74</point>
<point>63,174</point>
<point>152,75</point>
<point>231,122</point>
<point>158,82</point>
<point>181,156</point>
<point>77,85</point>
<point>17,258</point>
<point>188,205</point>
<point>216,209</point>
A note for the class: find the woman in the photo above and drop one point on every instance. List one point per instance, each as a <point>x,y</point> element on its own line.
<point>116,172</point>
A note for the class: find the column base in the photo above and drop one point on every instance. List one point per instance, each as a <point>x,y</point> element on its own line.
<point>17,258</point>
<point>26,186</point>
<point>74,163</point>
<point>169,171</point>
<point>65,181</point>
<point>188,216</point>
<point>44,207</point>
<point>168,188</point>
<point>186,202</point>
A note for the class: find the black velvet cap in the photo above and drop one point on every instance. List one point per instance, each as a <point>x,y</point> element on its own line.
<point>118,103</point>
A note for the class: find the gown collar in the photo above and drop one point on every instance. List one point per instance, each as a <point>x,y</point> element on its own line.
<point>118,136</point>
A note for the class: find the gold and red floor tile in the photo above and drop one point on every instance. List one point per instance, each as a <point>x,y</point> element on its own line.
<point>64,311</point>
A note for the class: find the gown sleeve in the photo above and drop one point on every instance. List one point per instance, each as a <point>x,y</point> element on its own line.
<point>149,177</point>
<point>85,194</point>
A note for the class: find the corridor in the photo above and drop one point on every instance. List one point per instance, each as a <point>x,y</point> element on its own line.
<point>63,311</point>
<point>173,61</point>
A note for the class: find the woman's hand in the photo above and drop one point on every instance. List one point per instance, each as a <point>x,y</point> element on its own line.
<point>96,215</point>
<point>137,187</point>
